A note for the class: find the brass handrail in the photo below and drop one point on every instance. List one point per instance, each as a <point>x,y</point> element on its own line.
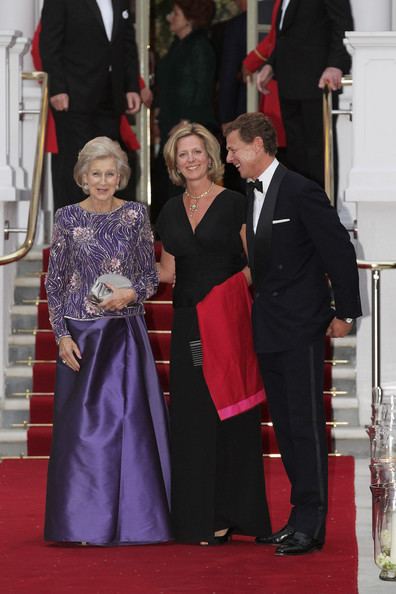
<point>37,172</point>
<point>376,268</point>
<point>328,113</point>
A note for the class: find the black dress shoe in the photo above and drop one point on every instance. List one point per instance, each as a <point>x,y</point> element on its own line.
<point>278,537</point>
<point>299,544</point>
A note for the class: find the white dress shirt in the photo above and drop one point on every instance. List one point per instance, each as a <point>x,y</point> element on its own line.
<point>259,197</point>
<point>106,8</point>
<point>284,6</point>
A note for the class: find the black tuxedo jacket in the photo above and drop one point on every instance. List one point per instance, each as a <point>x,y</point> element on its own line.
<point>77,54</point>
<point>311,39</point>
<point>299,244</point>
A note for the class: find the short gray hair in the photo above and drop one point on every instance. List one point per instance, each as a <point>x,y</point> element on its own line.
<point>102,147</point>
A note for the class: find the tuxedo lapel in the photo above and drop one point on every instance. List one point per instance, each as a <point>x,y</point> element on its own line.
<point>289,15</point>
<point>93,5</point>
<point>262,240</point>
<point>116,17</point>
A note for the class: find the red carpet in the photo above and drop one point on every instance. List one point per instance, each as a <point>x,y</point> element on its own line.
<point>29,566</point>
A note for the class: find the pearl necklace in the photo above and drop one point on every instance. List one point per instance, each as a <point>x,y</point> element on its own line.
<point>194,206</point>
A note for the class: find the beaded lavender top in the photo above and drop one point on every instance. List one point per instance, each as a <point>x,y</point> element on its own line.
<point>86,245</point>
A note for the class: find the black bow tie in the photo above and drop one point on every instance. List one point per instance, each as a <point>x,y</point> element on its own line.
<point>256,184</point>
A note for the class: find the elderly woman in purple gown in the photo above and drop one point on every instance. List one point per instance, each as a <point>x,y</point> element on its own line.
<point>108,476</point>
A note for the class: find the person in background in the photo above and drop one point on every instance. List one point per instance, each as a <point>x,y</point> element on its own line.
<point>109,472</point>
<point>231,91</point>
<point>88,50</point>
<point>217,471</point>
<point>184,87</point>
<point>128,137</point>
<point>296,244</point>
<point>269,101</point>
<point>308,54</point>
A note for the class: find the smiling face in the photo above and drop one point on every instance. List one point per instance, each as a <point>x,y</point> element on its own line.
<point>192,159</point>
<point>178,24</point>
<point>247,157</point>
<point>102,178</point>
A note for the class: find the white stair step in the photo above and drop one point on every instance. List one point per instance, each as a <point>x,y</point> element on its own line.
<point>347,341</point>
<point>343,372</point>
<point>34,254</point>
<point>18,371</point>
<point>16,404</point>
<point>344,402</point>
<point>27,281</point>
<point>12,435</point>
<point>24,310</point>
<point>21,340</point>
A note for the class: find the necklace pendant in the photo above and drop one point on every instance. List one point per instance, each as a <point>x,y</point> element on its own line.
<point>194,207</point>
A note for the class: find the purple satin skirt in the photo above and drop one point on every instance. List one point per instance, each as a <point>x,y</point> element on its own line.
<point>109,470</point>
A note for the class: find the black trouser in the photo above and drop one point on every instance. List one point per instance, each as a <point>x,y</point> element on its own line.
<point>73,130</point>
<point>303,121</point>
<point>294,385</point>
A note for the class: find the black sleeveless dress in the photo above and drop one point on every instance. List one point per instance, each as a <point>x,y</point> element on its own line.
<point>217,469</point>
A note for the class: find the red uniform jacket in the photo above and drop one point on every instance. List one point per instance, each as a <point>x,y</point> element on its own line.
<point>269,104</point>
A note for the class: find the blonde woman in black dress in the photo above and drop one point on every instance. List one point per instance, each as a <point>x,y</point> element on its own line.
<point>217,471</point>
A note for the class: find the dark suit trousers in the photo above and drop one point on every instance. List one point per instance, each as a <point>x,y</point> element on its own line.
<point>303,121</point>
<point>294,384</point>
<point>73,130</point>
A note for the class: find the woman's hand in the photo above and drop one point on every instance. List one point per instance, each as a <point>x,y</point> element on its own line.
<point>118,299</point>
<point>166,268</point>
<point>248,275</point>
<point>69,353</point>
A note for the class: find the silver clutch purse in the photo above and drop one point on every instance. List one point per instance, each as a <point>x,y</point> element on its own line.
<point>100,291</point>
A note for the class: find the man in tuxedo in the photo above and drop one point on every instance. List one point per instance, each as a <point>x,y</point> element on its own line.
<point>296,244</point>
<point>88,49</point>
<point>308,54</point>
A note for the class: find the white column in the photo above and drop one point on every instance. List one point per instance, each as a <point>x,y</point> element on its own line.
<point>368,15</point>
<point>16,53</point>
<point>7,191</point>
<point>372,15</point>
<point>22,15</point>
<point>372,186</point>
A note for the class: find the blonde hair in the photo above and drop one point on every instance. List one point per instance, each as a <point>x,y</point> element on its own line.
<point>212,147</point>
<point>102,147</point>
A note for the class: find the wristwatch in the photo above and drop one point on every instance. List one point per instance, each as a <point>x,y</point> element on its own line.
<point>348,320</point>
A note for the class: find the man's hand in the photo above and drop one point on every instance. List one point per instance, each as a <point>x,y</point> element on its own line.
<point>69,352</point>
<point>338,328</point>
<point>146,96</point>
<point>263,78</point>
<point>247,76</point>
<point>60,102</point>
<point>133,102</point>
<point>331,77</point>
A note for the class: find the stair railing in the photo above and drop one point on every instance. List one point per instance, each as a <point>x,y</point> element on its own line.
<point>328,113</point>
<point>30,231</point>
<point>376,268</point>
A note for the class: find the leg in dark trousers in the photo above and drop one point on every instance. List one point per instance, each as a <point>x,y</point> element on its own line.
<point>303,121</point>
<point>294,385</point>
<point>73,131</point>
